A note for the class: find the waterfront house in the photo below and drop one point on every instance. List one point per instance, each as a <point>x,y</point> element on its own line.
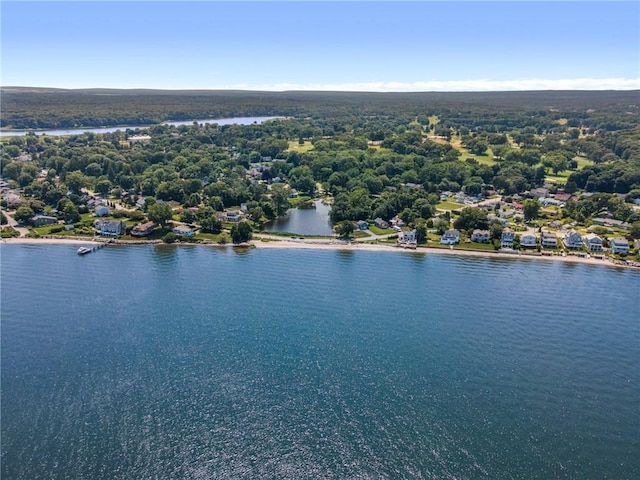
<point>143,229</point>
<point>573,240</point>
<point>110,228</point>
<point>592,242</point>
<point>41,220</point>
<point>619,245</point>
<point>480,236</point>
<point>380,223</point>
<point>611,222</point>
<point>507,238</point>
<point>549,240</point>
<point>233,216</point>
<point>528,240</point>
<point>183,231</point>
<point>407,236</point>
<point>362,225</point>
<point>450,237</point>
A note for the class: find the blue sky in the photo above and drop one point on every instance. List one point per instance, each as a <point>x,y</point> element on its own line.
<point>374,46</point>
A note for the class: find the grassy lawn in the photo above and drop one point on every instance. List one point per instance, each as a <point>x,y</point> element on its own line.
<point>485,247</point>
<point>486,159</point>
<point>380,231</point>
<point>449,205</point>
<point>294,146</point>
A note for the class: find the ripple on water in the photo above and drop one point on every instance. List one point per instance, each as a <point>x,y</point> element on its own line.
<point>145,362</point>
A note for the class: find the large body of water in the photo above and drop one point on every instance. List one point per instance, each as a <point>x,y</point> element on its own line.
<point>79,131</point>
<point>194,362</point>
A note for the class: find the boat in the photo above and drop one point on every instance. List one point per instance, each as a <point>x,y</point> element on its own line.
<point>83,250</point>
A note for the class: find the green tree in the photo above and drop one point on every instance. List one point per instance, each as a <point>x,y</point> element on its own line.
<point>103,186</point>
<point>421,232</point>
<point>530,208</point>
<point>471,218</point>
<point>75,181</point>
<point>70,212</point>
<point>160,213</point>
<point>634,230</point>
<point>211,225</point>
<point>23,214</point>
<point>241,232</point>
<point>344,229</point>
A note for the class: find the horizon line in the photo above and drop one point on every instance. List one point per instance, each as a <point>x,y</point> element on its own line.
<point>451,86</point>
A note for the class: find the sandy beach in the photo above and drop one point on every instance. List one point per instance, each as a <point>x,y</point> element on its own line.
<point>345,246</point>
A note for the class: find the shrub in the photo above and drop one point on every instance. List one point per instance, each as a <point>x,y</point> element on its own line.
<point>170,237</point>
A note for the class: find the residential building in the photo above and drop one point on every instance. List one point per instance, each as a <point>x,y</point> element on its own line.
<point>507,238</point>
<point>380,223</point>
<point>480,236</point>
<point>450,237</point>
<point>619,245</point>
<point>233,216</point>
<point>549,240</point>
<point>143,229</point>
<point>592,242</point>
<point>110,228</point>
<point>102,211</point>
<point>138,138</point>
<point>183,231</point>
<point>573,240</point>
<point>407,236</point>
<point>528,240</point>
<point>362,225</point>
<point>40,220</point>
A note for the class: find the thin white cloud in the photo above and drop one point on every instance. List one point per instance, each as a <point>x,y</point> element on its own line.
<point>478,85</point>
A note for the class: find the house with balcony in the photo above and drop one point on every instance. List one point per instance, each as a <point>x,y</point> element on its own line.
<point>573,240</point>
<point>110,228</point>
<point>480,236</point>
<point>549,240</point>
<point>450,237</point>
<point>592,242</point>
<point>507,238</point>
<point>619,245</point>
<point>528,240</point>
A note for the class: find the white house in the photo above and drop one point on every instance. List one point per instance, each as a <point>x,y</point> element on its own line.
<point>480,236</point>
<point>450,237</point>
<point>110,228</point>
<point>407,236</point>
<point>183,231</point>
<point>573,239</point>
<point>592,242</point>
<point>549,240</point>
<point>528,240</point>
<point>619,245</point>
<point>507,238</point>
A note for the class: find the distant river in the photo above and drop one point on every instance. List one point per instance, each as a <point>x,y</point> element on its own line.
<point>78,131</point>
<point>193,362</point>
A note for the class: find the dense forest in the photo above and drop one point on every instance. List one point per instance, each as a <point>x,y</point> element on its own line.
<point>376,155</point>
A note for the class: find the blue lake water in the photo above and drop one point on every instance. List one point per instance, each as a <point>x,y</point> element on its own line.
<point>304,221</point>
<point>197,362</point>
<point>78,131</point>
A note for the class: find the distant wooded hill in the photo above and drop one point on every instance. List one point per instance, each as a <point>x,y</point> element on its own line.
<point>35,108</point>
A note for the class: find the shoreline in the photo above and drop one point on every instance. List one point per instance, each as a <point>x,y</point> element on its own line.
<point>333,245</point>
